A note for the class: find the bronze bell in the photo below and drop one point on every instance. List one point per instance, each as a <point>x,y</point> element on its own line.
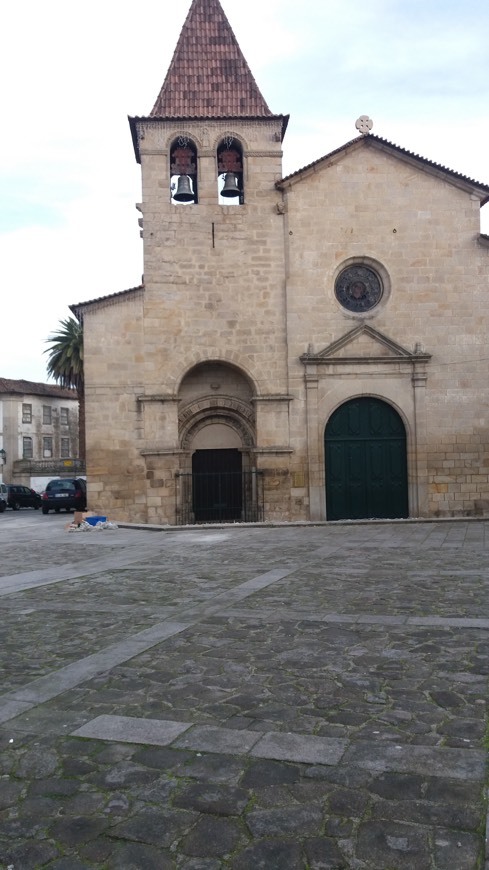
<point>184,191</point>
<point>230,185</point>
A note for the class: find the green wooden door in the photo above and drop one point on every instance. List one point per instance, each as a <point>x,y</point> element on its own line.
<point>366,463</point>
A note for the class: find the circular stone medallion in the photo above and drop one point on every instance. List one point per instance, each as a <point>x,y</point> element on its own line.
<point>358,288</point>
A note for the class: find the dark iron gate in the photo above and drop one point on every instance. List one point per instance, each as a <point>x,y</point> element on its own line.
<point>218,490</point>
<point>366,462</point>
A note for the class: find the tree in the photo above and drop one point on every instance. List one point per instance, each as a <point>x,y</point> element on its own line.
<point>65,366</point>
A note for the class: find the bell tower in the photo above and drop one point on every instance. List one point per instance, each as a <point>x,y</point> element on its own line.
<point>214,251</point>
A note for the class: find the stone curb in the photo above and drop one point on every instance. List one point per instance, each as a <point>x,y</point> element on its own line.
<point>152,527</point>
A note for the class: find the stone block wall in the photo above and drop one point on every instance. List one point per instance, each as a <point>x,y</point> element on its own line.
<point>422,234</point>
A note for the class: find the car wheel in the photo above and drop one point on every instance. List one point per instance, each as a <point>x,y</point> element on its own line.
<point>2,506</point>
<point>45,510</point>
<point>36,507</point>
<point>15,506</point>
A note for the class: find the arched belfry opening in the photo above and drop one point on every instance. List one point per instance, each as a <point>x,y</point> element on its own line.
<point>218,480</point>
<point>183,171</point>
<point>230,171</point>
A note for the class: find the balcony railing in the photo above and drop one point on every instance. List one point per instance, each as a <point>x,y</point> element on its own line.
<point>45,467</point>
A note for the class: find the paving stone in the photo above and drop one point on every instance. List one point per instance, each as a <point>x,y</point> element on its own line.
<point>212,768</point>
<point>399,786</point>
<point>53,786</point>
<point>130,730</point>
<point>10,708</point>
<point>212,838</point>
<point>134,856</point>
<point>220,800</point>
<point>161,759</point>
<point>348,802</point>
<point>157,827</point>
<point>9,793</point>
<point>211,739</point>
<point>124,774</point>
<point>457,849</point>
<point>265,855</point>
<point>286,821</point>
<point>266,773</point>
<point>29,855</point>
<point>77,829</point>
<point>324,854</point>
<point>97,851</point>
<point>37,764</point>
<point>393,845</point>
<point>298,747</point>
<point>423,812</point>
<point>459,763</point>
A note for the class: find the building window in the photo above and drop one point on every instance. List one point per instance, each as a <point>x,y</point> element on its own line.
<point>64,416</point>
<point>183,171</point>
<point>47,447</point>
<point>47,417</point>
<point>27,451</point>
<point>27,413</point>
<point>65,448</point>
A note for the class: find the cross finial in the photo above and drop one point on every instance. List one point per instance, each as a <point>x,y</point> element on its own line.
<point>364,125</point>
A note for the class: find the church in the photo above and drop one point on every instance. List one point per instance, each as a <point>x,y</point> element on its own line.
<point>302,348</point>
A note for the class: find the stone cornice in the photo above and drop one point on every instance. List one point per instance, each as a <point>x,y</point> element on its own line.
<point>275,449</point>
<point>272,398</point>
<point>158,397</point>
<point>161,451</point>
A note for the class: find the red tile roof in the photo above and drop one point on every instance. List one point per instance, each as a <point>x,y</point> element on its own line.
<point>33,388</point>
<point>121,296</point>
<point>208,75</point>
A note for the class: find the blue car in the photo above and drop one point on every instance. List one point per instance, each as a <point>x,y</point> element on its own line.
<point>65,493</point>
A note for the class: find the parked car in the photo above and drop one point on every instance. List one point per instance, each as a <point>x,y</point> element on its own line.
<point>3,497</point>
<point>64,493</point>
<point>22,496</point>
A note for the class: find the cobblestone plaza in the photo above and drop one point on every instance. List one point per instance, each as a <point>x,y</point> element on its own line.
<point>291,697</point>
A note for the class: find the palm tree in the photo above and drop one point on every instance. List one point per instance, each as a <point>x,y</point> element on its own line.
<point>65,366</point>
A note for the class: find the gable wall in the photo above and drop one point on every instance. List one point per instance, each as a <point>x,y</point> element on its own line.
<point>114,357</point>
<point>424,233</point>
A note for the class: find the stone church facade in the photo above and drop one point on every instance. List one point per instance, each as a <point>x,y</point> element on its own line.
<point>302,348</point>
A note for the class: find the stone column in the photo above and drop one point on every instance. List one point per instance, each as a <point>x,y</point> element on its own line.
<point>317,509</point>
<point>418,457</point>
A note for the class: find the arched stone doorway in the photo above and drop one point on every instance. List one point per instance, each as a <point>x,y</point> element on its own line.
<point>217,436</point>
<point>366,462</point>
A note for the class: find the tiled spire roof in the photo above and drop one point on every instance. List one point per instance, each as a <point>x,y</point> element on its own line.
<point>209,76</point>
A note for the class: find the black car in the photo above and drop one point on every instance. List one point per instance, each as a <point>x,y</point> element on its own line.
<point>64,493</point>
<point>22,496</point>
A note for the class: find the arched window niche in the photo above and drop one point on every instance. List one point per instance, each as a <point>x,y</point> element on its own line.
<point>230,172</point>
<point>183,174</point>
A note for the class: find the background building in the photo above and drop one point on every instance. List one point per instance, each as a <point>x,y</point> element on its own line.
<point>38,432</point>
<point>302,348</point>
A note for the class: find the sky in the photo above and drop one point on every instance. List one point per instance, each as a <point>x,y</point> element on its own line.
<point>71,74</point>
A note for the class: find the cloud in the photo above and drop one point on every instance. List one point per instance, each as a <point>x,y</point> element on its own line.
<point>72,74</point>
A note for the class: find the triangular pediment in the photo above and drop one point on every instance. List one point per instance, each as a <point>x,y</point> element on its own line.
<point>382,146</point>
<point>365,344</point>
